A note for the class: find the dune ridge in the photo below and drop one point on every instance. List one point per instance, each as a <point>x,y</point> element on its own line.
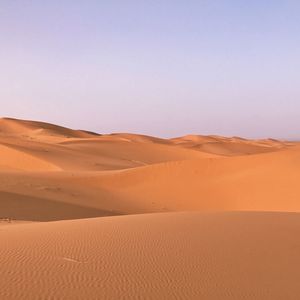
<point>130,174</point>
<point>126,216</point>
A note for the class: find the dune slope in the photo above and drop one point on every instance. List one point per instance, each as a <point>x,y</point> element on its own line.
<point>78,177</point>
<point>159,256</point>
<point>76,150</point>
<point>234,146</point>
<point>72,186</point>
<point>256,182</point>
<point>34,129</point>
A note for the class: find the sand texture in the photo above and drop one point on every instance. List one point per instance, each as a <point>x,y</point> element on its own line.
<point>127,216</point>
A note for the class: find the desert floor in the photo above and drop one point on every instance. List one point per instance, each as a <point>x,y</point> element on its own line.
<point>126,216</point>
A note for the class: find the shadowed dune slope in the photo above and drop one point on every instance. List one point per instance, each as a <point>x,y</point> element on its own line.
<point>20,207</point>
<point>51,173</point>
<point>13,159</point>
<point>91,155</point>
<point>91,176</point>
<point>256,182</point>
<point>159,256</point>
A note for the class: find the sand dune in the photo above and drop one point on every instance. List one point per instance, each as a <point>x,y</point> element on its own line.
<point>159,256</point>
<point>256,182</point>
<point>12,159</point>
<point>67,149</point>
<point>229,146</point>
<point>33,129</point>
<point>75,177</point>
<point>129,174</point>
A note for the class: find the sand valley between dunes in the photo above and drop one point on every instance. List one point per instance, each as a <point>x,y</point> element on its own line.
<point>127,216</point>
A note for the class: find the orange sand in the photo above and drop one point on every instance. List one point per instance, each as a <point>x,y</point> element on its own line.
<point>74,177</point>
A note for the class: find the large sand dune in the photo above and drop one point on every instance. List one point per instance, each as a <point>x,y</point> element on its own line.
<point>159,256</point>
<point>74,177</point>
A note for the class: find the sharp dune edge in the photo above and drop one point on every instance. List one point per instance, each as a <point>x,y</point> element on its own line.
<point>126,216</point>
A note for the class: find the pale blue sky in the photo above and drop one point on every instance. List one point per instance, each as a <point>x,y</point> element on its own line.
<point>164,68</point>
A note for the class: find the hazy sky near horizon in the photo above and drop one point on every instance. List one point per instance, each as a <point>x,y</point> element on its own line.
<point>159,67</point>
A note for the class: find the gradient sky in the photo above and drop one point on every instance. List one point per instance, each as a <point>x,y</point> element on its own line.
<point>159,67</point>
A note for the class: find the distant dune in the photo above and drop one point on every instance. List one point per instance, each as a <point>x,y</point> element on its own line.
<point>31,129</point>
<point>193,217</point>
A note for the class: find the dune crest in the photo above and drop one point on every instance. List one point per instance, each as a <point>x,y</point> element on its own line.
<point>31,129</point>
<point>128,216</point>
<point>129,173</point>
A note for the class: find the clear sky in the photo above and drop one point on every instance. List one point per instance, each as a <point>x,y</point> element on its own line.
<point>159,67</point>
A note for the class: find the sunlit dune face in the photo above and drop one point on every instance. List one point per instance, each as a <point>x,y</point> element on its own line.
<point>106,213</point>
